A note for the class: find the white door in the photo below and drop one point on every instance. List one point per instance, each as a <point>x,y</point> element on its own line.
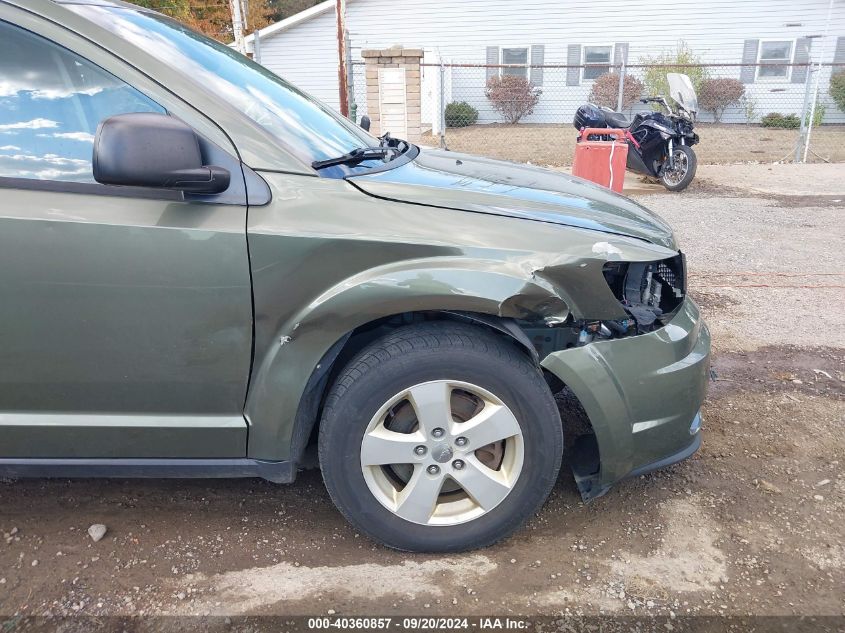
<point>392,102</point>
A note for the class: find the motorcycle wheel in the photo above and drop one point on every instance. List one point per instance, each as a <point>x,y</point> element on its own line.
<point>681,174</point>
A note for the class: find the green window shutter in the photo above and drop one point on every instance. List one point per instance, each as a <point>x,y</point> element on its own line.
<point>749,56</point>
<point>573,60</point>
<point>801,56</point>
<point>538,53</point>
<point>492,60</point>
<point>839,54</point>
<point>620,53</point>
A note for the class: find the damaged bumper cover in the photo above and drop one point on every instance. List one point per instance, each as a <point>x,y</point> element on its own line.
<point>643,395</point>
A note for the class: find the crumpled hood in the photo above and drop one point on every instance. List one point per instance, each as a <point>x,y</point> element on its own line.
<point>484,185</point>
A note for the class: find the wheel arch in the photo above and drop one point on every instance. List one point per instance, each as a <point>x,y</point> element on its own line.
<point>307,418</point>
<point>585,450</point>
<point>303,349</point>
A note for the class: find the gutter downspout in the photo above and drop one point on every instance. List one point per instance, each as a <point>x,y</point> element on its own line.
<point>237,25</point>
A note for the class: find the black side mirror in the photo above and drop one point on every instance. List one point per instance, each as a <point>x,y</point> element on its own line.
<point>365,123</point>
<point>144,149</point>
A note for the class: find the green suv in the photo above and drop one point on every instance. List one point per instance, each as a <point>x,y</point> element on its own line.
<point>204,272</point>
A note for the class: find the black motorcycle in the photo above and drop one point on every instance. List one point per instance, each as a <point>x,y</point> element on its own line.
<point>659,145</point>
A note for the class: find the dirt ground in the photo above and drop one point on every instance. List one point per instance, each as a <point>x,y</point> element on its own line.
<point>753,524</point>
<point>547,144</point>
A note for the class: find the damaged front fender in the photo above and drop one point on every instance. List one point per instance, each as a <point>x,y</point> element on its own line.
<point>302,341</point>
<point>319,275</point>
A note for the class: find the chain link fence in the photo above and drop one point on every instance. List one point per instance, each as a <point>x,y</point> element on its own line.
<point>763,112</point>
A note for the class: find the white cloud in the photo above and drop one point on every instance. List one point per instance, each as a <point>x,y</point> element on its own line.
<point>46,167</point>
<point>7,89</point>
<point>63,93</point>
<point>9,148</point>
<point>34,124</point>
<point>49,159</point>
<point>73,136</point>
<point>14,86</point>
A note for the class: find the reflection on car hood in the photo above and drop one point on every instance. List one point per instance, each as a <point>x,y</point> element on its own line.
<point>483,185</point>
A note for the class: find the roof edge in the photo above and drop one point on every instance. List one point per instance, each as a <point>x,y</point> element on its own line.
<point>293,20</point>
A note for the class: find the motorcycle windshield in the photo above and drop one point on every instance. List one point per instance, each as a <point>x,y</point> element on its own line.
<point>681,90</point>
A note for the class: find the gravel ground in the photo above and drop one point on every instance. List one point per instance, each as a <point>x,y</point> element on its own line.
<point>754,524</point>
<point>546,144</point>
<point>768,270</point>
<point>780,179</point>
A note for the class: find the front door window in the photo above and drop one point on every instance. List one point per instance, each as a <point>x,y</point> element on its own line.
<point>51,101</point>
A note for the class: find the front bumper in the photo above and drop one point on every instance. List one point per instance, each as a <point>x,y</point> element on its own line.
<point>642,395</point>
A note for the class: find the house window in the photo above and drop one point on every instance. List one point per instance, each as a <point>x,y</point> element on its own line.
<point>516,55</point>
<point>596,61</point>
<point>772,51</point>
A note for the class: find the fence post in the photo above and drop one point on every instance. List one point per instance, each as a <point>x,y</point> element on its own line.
<point>816,82</point>
<point>619,95</point>
<point>442,105</point>
<point>802,133</point>
<point>811,115</point>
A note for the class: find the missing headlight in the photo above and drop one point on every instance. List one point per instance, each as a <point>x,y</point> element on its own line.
<point>650,292</point>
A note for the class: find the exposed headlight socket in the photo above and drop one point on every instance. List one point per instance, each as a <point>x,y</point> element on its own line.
<point>651,292</point>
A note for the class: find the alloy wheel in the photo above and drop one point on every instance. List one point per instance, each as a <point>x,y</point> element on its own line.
<point>678,172</point>
<point>442,453</point>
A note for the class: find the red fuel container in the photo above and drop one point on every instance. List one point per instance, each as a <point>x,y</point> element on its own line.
<point>603,162</point>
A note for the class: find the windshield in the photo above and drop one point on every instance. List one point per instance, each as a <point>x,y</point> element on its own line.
<point>310,129</point>
<point>681,90</point>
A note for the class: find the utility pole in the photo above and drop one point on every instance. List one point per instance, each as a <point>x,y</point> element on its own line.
<point>237,25</point>
<point>342,79</point>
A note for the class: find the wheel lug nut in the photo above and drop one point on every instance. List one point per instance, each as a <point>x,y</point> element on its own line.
<point>458,464</point>
<point>420,450</point>
<point>461,441</point>
<point>438,433</point>
<point>433,470</point>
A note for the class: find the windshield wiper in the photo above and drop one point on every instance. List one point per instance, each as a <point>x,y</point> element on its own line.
<point>354,157</point>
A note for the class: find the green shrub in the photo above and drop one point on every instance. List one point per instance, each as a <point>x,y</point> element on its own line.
<point>818,115</point>
<point>605,90</point>
<point>837,90</point>
<point>749,107</point>
<point>654,77</point>
<point>460,114</point>
<point>719,93</point>
<point>778,120</point>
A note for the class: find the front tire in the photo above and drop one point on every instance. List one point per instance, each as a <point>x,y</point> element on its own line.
<point>681,175</point>
<point>440,437</point>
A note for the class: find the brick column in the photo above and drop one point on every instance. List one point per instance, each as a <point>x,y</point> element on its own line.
<point>395,57</point>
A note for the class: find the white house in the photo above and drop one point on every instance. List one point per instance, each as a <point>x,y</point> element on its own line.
<point>585,36</point>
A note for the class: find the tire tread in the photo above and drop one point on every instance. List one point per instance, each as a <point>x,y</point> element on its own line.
<point>429,337</point>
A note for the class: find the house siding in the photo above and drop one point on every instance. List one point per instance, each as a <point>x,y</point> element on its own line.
<point>463,32</point>
<point>306,55</point>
